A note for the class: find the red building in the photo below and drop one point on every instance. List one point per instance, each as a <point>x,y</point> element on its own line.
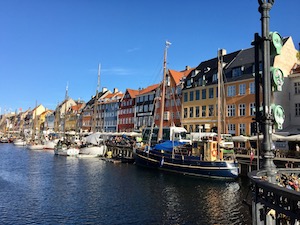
<point>172,109</point>
<point>127,111</point>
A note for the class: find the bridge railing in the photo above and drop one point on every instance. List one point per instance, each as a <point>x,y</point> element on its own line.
<point>276,203</point>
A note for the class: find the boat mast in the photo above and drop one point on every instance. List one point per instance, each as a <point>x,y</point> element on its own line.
<point>34,122</point>
<point>220,81</point>
<point>163,93</point>
<point>66,98</point>
<point>96,101</point>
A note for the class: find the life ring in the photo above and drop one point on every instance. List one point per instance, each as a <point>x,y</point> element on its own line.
<point>214,153</point>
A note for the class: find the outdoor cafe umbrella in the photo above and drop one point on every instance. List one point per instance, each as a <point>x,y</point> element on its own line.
<point>240,138</point>
<point>295,137</point>
<point>275,137</point>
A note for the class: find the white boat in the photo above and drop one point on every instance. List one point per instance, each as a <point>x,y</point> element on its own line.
<point>95,146</point>
<point>92,151</point>
<point>50,145</point>
<point>20,142</point>
<point>66,151</point>
<point>35,146</point>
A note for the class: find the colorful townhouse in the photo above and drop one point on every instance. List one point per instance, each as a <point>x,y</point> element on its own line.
<point>126,112</point>
<point>91,113</point>
<point>60,114</point>
<point>144,108</point>
<point>42,122</point>
<point>173,96</point>
<point>108,110</point>
<point>72,116</point>
<point>237,108</point>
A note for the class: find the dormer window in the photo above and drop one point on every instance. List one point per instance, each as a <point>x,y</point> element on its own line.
<point>236,72</point>
<point>188,83</point>
<point>215,77</point>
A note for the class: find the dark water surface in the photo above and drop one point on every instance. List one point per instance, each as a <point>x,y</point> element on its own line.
<point>37,187</point>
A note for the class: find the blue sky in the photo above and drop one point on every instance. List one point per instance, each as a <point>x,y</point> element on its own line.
<point>45,45</point>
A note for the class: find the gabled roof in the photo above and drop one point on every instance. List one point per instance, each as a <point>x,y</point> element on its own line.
<point>148,89</point>
<point>132,93</point>
<point>76,107</point>
<point>178,75</point>
<point>208,68</point>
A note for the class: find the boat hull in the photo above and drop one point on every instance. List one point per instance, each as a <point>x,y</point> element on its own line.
<point>67,152</point>
<point>35,147</point>
<point>92,151</point>
<point>20,143</point>
<point>187,165</point>
<point>50,145</point>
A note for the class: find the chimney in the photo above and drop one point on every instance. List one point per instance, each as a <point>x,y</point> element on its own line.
<point>116,90</point>
<point>104,89</point>
<point>187,67</point>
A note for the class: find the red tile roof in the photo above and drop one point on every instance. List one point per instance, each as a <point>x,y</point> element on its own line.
<point>132,92</point>
<point>177,76</point>
<point>148,89</point>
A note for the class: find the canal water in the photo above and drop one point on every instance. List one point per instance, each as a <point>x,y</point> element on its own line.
<point>37,187</point>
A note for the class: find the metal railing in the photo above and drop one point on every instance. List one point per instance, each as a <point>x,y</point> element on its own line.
<point>276,203</point>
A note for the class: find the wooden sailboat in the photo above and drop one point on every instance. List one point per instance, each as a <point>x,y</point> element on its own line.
<point>201,159</point>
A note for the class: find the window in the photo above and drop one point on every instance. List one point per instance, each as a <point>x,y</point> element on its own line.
<point>231,91</point>
<point>211,92</point>
<point>191,128</point>
<point>204,111</point>
<point>197,111</point>
<point>252,88</point>
<point>210,110</point>
<point>191,112</point>
<point>145,108</point>
<point>231,129</point>
<point>242,89</point>
<point>297,109</point>
<point>203,93</point>
<point>197,95</point>
<point>188,83</point>
<point>185,113</point>
<point>297,88</point>
<point>230,110</point>
<point>242,109</point>
<point>252,109</point>
<point>236,72</point>
<point>242,128</point>
<point>185,97</point>
<point>215,77</point>
<point>191,96</point>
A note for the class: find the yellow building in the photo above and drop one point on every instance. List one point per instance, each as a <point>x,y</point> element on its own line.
<point>200,102</point>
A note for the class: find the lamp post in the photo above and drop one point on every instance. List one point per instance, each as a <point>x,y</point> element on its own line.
<point>267,117</point>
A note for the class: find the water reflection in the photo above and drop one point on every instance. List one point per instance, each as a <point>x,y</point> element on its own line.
<point>39,187</point>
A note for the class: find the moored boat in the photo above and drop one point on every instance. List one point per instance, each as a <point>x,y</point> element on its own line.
<point>199,160</point>
<point>66,149</point>
<point>20,142</point>
<point>94,146</point>
<point>171,151</point>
